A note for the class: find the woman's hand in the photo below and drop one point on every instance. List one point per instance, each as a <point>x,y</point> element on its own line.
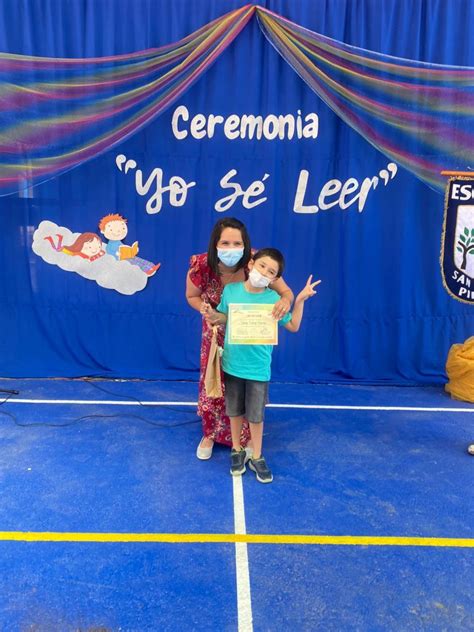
<point>204,309</point>
<point>281,308</point>
<point>308,289</point>
<point>211,316</point>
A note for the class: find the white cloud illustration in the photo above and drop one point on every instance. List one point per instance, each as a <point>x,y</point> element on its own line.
<point>105,271</point>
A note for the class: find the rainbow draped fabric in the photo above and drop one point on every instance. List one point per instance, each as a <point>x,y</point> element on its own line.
<point>57,113</point>
<point>415,113</point>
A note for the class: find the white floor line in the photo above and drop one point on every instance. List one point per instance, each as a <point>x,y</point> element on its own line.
<point>113,402</point>
<point>105,402</point>
<point>244,600</point>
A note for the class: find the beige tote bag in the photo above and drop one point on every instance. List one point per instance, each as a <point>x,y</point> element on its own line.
<point>212,379</point>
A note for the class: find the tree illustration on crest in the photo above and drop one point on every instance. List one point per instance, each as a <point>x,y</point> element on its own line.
<point>465,245</point>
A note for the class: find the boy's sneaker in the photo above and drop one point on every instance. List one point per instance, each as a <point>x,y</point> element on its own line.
<point>249,452</point>
<point>261,469</point>
<point>237,462</point>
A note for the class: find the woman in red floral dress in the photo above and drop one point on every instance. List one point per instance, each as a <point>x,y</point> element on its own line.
<point>225,262</point>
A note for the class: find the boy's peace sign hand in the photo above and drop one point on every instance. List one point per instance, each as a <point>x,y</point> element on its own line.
<point>308,289</point>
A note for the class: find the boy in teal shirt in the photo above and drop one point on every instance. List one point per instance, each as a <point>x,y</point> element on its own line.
<point>247,367</point>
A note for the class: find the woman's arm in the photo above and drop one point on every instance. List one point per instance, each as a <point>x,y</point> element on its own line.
<point>193,295</point>
<point>283,306</point>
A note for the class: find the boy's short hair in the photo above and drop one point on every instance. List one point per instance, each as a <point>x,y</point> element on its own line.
<point>274,254</point>
<point>112,217</point>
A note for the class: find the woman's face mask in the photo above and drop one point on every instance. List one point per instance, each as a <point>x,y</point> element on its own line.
<point>257,280</point>
<point>230,256</point>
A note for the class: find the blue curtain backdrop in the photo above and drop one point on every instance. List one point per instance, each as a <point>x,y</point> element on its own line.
<point>381,313</point>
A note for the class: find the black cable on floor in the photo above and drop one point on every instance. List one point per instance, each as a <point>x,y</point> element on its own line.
<point>79,419</point>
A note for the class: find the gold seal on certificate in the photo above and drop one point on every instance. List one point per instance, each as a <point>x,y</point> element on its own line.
<point>252,324</point>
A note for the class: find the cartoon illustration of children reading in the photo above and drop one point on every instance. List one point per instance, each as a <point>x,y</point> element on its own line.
<point>114,228</point>
<point>87,245</point>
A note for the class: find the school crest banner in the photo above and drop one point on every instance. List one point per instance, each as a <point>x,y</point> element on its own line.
<point>457,248</point>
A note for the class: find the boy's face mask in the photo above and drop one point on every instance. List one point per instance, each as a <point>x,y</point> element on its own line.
<point>230,257</point>
<point>257,280</point>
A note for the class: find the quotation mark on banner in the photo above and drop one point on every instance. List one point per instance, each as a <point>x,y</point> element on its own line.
<point>129,164</point>
<point>385,175</point>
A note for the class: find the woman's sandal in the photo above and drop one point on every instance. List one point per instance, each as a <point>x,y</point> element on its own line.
<point>204,453</point>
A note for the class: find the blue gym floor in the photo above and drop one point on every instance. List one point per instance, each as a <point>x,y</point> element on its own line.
<point>388,464</point>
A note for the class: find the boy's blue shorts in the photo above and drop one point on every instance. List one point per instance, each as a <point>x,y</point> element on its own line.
<point>245,398</point>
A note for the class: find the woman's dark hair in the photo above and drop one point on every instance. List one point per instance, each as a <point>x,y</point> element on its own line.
<point>227,222</point>
<point>274,254</point>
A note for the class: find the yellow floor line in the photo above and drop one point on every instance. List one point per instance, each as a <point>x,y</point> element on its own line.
<point>231,538</point>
